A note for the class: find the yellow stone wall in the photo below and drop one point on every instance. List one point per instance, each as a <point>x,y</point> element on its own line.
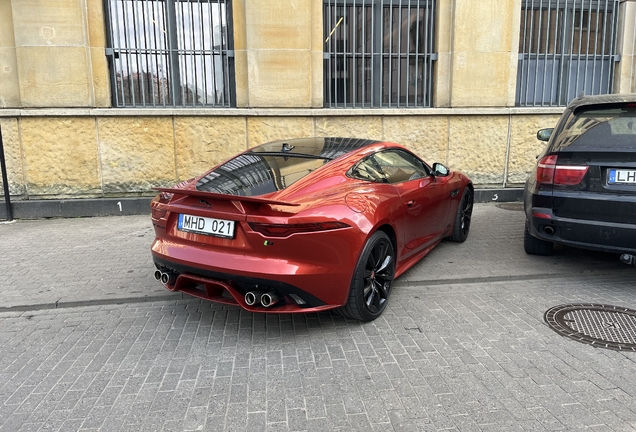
<point>60,156</point>
<point>13,156</point>
<point>52,54</point>
<point>625,74</point>
<point>9,81</point>
<point>483,54</point>
<point>524,146</point>
<point>101,156</point>
<point>278,46</point>
<point>202,142</point>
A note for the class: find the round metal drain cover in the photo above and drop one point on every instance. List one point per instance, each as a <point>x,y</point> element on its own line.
<point>514,206</point>
<point>599,325</point>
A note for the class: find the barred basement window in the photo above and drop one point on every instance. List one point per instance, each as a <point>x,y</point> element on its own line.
<point>170,53</point>
<point>566,47</point>
<point>378,53</point>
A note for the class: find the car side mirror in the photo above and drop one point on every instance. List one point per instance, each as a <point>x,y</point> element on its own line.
<point>544,134</point>
<point>439,170</point>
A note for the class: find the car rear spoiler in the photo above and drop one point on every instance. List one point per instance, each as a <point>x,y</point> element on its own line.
<point>224,197</point>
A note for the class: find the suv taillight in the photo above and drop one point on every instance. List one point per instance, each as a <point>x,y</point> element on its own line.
<point>548,172</point>
<point>545,169</point>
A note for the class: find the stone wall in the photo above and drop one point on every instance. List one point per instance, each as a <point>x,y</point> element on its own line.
<point>62,139</point>
<point>105,153</point>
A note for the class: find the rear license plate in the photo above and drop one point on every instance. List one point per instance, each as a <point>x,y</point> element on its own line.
<point>204,225</point>
<point>621,176</point>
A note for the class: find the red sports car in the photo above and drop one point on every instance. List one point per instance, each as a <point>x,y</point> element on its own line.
<point>307,225</point>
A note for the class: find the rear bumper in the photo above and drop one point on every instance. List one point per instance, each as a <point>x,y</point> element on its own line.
<point>196,274</point>
<point>585,234</point>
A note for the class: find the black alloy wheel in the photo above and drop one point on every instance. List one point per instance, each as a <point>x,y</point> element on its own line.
<point>372,280</point>
<point>463,217</point>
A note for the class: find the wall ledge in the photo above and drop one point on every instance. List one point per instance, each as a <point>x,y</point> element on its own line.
<point>272,112</point>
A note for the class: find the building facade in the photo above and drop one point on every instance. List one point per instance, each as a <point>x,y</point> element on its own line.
<point>109,98</point>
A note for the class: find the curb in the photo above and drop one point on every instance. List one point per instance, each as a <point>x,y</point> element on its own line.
<point>409,285</point>
<point>606,275</point>
<point>94,302</point>
<point>71,208</point>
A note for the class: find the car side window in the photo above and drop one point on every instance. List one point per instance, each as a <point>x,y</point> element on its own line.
<point>369,170</point>
<point>390,166</point>
<point>399,166</point>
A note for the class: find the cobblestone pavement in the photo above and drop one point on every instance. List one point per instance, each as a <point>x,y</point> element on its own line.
<point>458,357</point>
<point>86,261</point>
<point>462,345</point>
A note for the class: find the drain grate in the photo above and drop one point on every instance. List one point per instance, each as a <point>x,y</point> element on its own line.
<point>514,206</point>
<point>599,325</point>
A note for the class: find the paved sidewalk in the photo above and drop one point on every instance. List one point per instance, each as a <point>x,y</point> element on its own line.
<point>92,343</point>
<point>83,261</point>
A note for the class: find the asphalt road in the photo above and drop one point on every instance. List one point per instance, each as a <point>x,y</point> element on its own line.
<point>91,342</point>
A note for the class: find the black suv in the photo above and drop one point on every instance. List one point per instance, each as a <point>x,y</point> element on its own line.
<point>582,191</point>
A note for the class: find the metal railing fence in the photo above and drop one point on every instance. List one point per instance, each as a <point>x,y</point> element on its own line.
<point>378,53</point>
<point>170,53</point>
<point>566,47</point>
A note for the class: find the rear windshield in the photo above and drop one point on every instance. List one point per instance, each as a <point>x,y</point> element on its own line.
<point>257,174</point>
<point>600,127</point>
<point>274,166</point>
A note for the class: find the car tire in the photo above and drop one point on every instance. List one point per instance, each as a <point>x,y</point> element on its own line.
<point>463,217</point>
<point>372,279</point>
<point>535,246</point>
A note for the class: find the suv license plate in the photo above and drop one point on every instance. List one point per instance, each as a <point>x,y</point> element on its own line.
<point>621,176</point>
<point>204,225</point>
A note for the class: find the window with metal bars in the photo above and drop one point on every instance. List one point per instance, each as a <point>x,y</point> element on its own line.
<point>566,47</point>
<point>170,53</point>
<point>378,53</point>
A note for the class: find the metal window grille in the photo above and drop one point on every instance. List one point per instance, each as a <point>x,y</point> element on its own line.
<point>378,53</point>
<point>170,53</point>
<point>566,47</point>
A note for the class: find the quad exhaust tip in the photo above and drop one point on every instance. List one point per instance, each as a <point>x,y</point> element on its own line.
<point>166,278</point>
<point>266,299</point>
<point>269,299</point>
<point>253,297</point>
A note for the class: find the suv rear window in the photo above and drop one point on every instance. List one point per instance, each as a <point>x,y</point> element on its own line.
<point>600,127</point>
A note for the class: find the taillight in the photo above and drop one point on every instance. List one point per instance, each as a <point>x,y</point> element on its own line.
<point>157,210</point>
<point>284,230</point>
<point>545,169</point>
<point>569,175</point>
<point>157,213</point>
<point>165,197</point>
<point>548,172</point>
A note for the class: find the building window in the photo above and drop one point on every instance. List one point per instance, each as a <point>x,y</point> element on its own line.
<point>566,47</point>
<point>378,53</point>
<point>170,53</point>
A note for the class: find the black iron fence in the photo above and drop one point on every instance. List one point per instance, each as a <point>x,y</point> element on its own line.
<point>566,47</point>
<point>378,53</point>
<point>170,53</point>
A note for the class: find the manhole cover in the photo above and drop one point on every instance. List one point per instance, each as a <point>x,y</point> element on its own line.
<point>511,206</point>
<point>599,325</point>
